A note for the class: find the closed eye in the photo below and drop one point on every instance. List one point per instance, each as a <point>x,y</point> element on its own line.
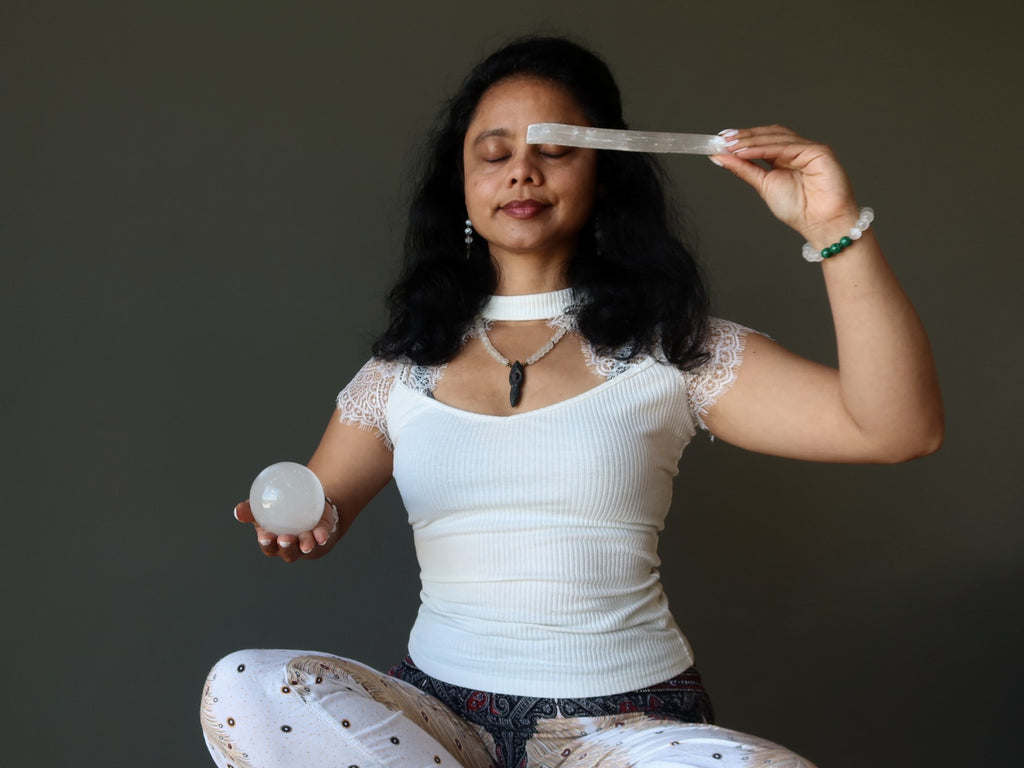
<point>554,150</point>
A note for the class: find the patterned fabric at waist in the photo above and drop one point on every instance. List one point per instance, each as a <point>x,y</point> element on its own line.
<point>681,698</point>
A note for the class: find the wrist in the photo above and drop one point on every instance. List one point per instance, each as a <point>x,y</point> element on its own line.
<point>819,247</point>
<point>831,229</point>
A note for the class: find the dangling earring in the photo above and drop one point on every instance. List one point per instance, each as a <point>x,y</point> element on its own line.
<point>469,237</point>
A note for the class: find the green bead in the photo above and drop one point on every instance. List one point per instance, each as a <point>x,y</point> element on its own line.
<point>826,252</point>
<point>845,242</point>
<point>835,248</point>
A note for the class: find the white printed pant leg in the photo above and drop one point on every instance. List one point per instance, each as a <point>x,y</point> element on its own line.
<point>291,709</point>
<point>639,741</point>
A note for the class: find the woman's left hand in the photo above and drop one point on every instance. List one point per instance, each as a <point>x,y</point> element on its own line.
<point>804,185</point>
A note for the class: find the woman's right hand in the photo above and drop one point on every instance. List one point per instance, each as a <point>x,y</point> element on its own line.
<point>305,546</point>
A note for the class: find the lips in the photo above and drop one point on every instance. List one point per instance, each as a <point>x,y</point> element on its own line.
<point>523,209</point>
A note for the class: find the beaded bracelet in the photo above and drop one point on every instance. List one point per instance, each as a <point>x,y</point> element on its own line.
<point>867,215</point>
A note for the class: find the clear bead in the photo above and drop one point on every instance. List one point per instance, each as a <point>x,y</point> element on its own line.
<point>855,233</point>
<point>811,253</point>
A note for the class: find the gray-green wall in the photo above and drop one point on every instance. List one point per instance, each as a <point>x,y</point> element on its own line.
<point>200,211</point>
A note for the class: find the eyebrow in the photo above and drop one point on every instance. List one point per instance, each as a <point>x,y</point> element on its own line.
<point>503,132</point>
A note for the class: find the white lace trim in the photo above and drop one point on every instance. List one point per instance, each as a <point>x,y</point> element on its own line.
<point>605,366</point>
<point>726,342</point>
<point>422,378</point>
<point>364,401</point>
<point>568,322</point>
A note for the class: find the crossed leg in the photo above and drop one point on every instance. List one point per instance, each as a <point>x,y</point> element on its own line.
<point>274,708</point>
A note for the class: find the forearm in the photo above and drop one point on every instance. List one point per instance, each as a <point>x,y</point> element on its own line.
<point>353,465</point>
<point>887,378</point>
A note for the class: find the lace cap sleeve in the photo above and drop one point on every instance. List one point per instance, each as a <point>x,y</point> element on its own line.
<point>364,400</point>
<point>726,341</point>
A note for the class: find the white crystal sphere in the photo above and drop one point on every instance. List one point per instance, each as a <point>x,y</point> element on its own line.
<point>287,498</point>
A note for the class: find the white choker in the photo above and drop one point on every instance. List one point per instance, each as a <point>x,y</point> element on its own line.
<point>532,306</point>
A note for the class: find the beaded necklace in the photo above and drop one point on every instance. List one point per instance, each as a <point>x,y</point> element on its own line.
<point>538,306</point>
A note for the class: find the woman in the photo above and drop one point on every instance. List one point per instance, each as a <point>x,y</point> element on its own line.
<point>544,368</point>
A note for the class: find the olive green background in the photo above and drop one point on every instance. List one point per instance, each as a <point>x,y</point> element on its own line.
<point>200,211</point>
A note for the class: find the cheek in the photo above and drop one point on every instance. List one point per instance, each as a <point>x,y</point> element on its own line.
<point>586,185</point>
<point>476,201</point>
<point>586,194</point>
<point>478,191</point>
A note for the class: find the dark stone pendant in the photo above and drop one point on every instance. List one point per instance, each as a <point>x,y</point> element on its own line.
<point>515,383</point>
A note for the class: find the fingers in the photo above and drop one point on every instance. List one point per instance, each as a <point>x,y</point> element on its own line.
<point>777,145</point>
<point>286,546</point>
<point>328,524</point>
<point>266,540</point>
<point>741,139</point>
<point>270,544</point>
<point>800,180</point>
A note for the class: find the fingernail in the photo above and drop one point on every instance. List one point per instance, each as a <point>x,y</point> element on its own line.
<point>715,160</point>
<point>266,542</point>
<point>235,512</point>
<point>732,143</point>
<point>284,544</point>
<point>728,133</point>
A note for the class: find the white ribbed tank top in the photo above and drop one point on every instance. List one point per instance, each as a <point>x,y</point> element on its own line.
<point>537,533</point>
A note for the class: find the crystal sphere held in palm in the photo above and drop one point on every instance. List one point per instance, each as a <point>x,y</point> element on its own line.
<point>286,498</point>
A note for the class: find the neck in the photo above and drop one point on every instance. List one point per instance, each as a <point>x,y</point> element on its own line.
<point>529,273</point>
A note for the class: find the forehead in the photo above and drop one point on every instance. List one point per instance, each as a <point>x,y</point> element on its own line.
<point>518,101</point>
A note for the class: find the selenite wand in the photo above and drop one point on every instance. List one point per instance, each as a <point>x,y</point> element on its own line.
<point>625,141</point>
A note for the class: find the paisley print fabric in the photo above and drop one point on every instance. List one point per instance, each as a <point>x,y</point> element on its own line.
<point>285,709</point>
<point>511,721</point>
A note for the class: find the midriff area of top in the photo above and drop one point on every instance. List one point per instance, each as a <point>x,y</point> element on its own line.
<point>530,306</point>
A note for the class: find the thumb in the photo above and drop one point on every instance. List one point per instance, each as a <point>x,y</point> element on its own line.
<point>243,512</point>
<point>746,170</point>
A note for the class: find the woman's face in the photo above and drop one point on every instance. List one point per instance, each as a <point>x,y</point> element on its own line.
<point>527,199</point>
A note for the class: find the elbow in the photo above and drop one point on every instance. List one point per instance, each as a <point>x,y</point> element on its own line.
<point>914,444</point>
<point>918,450</point>
<point>936,438</point>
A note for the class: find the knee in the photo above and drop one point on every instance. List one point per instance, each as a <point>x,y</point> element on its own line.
<point>237,709</point>
<point>248,674</point>
<point>253,664</point>
<point>710,746</point>
<point>239,662</point>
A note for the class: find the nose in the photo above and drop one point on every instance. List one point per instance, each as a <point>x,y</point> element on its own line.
<point>524,169</point>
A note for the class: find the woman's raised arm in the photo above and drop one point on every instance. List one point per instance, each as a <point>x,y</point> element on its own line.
<point>883,404</point>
